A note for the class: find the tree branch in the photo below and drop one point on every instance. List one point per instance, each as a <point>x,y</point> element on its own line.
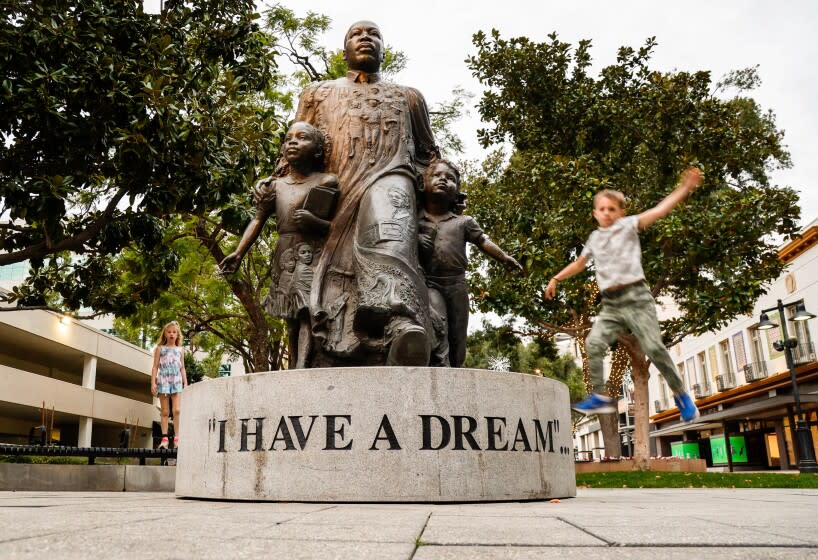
<point>74,243</point>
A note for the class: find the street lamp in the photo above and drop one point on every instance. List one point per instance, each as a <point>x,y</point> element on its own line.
<point>806,451</point>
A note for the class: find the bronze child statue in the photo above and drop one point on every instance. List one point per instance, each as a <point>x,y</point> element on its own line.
<point>442,237</point>
<point>295,199</point>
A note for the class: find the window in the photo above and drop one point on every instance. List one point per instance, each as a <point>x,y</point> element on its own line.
<point>757,369</point>
<point>680,367</point>
<point>798,329</point>
<point>704,375</point>
<point>664,390</point>
<point>756,346</point>
<point>805,351</point>
<point>16,272</point>
<point>690,366</point>
<point>738,348</point>
<point>724,357</point>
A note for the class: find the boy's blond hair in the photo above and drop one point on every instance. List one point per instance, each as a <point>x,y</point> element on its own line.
<point>613,195</point>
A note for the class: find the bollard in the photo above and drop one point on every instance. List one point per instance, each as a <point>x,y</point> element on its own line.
<point>125,438</point>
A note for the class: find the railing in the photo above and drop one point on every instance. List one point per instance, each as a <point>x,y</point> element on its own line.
<point>90,452</point>
<point>755,371</point>
<point>726,381</point>
<point>803,353</point>
<point>701,390</point>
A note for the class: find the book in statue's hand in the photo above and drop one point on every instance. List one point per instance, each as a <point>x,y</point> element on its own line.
<point>321,201</point>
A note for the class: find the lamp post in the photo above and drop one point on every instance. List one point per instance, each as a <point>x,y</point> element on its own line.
<point>806,451</point>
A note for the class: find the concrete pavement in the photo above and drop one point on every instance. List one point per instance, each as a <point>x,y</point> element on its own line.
<point>598,524</point>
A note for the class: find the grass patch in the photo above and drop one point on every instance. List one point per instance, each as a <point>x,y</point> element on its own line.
<point>648,479</point>
<point>57,460</point>
<point>40,460</point>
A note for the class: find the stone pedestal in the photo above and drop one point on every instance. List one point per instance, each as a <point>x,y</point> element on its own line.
<point>378,434</point>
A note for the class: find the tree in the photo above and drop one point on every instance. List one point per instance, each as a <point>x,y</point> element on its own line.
<point>193,368</point>
<point>113,121</point>
<point>489,343</point>
<point>633,129</point>
<point>200,119</point>
<point>220,316</point>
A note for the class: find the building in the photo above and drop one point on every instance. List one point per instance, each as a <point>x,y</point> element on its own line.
<point>95,383</point>
<point>740,379</point>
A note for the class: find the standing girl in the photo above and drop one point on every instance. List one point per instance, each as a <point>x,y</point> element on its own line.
<point>168,378</point>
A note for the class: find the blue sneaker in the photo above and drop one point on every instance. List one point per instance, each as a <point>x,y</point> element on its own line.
<point>687,408</point>
<point>595,404</point>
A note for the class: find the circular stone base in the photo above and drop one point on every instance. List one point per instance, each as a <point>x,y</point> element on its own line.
<point>377,434</point>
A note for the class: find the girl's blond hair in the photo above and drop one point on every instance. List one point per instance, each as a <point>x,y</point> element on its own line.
<point>163,339</point>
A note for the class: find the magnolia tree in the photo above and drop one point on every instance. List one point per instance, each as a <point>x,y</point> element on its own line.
<point>115,121</point>
<point>569,134</point>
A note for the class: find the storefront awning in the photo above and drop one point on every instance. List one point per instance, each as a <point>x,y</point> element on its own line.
<point>772,407</point>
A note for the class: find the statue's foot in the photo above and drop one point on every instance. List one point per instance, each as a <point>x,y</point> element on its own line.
<point>409,347</point>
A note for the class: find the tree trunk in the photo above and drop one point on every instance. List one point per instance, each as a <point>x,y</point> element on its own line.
<point>641,428</point>
<point>261,353</point>
<point>609,425</point>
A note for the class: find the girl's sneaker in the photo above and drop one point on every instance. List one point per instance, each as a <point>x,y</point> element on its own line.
<point>164,443</point>
<point>175,441</point>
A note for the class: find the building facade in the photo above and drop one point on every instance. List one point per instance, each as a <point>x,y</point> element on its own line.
<point>740,379</point>
<point>95,383</point>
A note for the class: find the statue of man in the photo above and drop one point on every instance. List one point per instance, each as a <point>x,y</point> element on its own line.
<point>369,301</point>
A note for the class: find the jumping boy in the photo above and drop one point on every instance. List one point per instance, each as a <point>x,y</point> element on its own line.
<point>627,303</point>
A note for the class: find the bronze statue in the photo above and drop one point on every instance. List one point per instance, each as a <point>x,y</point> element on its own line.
<point>369,300</point>
<point>443,236</point>
<point>302,202</point>
<point>350,283</point>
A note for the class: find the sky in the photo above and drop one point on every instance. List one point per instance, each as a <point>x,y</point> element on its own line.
<point>714,35</point>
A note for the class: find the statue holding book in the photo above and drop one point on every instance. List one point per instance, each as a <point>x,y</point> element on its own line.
<point>303,201</point>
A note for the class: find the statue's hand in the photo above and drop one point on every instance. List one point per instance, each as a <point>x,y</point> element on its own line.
<point>230,263</point>
<point>306,220</point>
<point>512,265</point>
<point>261,188</point>
<point>426,242</point>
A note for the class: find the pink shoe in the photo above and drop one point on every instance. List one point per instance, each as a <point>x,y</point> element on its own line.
<point>175,441</point>
<point>163,444</point>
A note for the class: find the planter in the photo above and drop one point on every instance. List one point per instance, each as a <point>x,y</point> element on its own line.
<point>656,465</point>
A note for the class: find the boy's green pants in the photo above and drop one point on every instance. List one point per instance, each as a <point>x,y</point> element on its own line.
<point>630,309</point>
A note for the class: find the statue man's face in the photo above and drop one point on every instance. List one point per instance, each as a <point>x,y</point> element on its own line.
<point>363,47</point>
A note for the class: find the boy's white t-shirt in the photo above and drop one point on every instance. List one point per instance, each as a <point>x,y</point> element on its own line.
<point>616,253</point>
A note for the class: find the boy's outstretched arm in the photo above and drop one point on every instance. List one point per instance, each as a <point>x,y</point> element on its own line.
<point>571,270</point>
<point>691,178</point>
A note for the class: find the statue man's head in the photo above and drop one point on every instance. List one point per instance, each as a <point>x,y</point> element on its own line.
<point>363,47</point>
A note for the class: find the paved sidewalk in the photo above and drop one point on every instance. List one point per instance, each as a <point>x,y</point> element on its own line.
<point>598,525</point>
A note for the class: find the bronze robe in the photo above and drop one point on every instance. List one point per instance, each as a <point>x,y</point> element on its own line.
<point>377,139</point>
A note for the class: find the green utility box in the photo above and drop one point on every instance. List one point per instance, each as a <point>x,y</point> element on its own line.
<point>719,451</point>
<point>685,449</point>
